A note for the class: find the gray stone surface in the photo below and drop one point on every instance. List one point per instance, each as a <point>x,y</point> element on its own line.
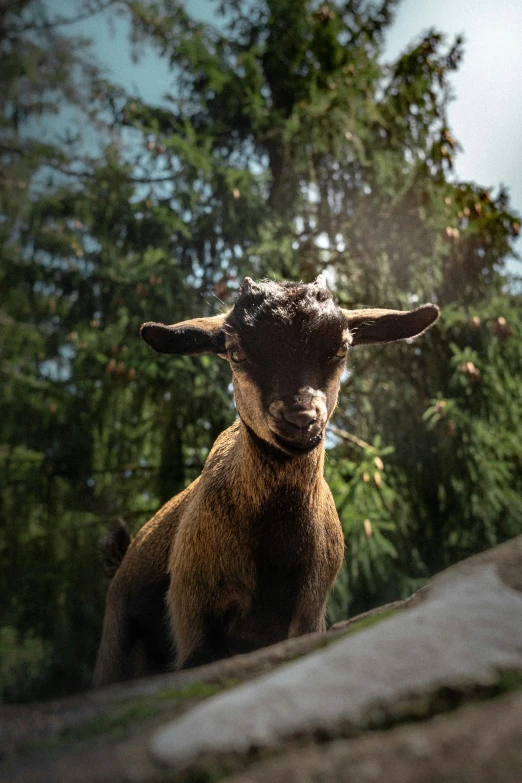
<point>467,629</point>
<point>105,736</point>
<point>479,743</point>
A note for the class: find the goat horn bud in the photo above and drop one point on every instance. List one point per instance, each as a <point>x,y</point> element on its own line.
<point>248,286</point>
<point>320,281</point>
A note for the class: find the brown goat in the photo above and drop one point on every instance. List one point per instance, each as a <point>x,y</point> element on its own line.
<point>245,556</point>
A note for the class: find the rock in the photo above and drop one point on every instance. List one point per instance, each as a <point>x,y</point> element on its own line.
<point>480,743</point>
<point>466,630</point>
<point>21,724</point>
<point>456,640</point>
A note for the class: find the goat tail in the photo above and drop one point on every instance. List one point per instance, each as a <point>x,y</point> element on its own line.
<point>113,545</point>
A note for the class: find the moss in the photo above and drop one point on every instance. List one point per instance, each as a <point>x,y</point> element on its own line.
<point>110,725</point>
<point>214,769</point>
<point>442,701</point>
<point>366,622</point>
<point>195,692</point>
<point>509,681</point>
<point>114,724</point>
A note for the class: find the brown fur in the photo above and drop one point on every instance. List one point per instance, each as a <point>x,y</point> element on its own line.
<point>246,555</point>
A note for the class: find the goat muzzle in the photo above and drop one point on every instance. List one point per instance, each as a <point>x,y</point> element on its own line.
<point>298,425</point>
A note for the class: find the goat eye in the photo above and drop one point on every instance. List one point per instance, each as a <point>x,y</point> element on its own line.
<point>341,353</point>
<point>238,355</point>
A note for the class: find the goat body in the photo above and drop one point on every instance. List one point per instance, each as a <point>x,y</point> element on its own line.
<point>245,556</point>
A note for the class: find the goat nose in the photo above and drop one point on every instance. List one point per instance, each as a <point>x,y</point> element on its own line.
<point>301,418</point>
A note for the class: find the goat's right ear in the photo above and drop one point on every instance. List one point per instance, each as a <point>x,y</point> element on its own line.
<point>199,335</point>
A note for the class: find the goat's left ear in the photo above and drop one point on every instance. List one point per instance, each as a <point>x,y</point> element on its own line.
<point>371,327</point>
<point>199,335</point>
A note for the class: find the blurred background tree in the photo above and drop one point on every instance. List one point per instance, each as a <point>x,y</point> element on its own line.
<point>286,149</point>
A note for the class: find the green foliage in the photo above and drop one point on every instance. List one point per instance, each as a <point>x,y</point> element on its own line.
<point>284,148</point>
<point>22,661</point>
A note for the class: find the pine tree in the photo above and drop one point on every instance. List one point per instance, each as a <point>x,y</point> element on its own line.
<point>285,148</point>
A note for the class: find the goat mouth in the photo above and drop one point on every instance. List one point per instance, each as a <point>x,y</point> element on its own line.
<point>297,447</point>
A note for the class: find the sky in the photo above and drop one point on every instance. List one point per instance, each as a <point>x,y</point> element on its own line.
<point>485,116</point>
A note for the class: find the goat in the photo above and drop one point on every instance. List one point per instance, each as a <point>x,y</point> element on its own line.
<point>245,556</point>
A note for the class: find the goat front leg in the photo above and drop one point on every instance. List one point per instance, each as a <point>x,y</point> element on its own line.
<point>210,588</point>
<point>202,630</point>
<point>307,619</point>
<point>209,647</point>
<point>204,615</point>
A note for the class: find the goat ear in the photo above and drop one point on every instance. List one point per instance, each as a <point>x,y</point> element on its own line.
<point>199,335</point>
<point>371,327</point>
